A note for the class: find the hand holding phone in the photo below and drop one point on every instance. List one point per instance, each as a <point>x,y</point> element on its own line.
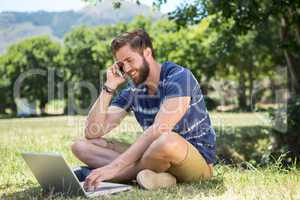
<point>115,75</point>
<point>120,69</point>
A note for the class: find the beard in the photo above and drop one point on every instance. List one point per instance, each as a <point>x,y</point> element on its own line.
<point>143,73</point>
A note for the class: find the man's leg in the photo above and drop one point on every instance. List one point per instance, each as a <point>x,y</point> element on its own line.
<point>168,149</point>
<point>97,152</point>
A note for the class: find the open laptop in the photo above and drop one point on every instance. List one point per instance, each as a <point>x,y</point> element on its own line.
<point>54,175</point>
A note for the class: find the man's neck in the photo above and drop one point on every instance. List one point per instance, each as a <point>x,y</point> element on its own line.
<point>153,78</point>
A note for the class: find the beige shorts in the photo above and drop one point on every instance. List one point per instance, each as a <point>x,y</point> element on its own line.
<point>193,168</point>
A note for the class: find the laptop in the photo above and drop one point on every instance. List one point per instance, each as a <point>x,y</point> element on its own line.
<point>54,175</point>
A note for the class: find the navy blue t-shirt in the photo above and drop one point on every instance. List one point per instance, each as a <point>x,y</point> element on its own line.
<point>175,81</point>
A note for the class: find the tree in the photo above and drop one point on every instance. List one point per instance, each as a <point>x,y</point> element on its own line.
<point>246,59</point>
<point>25,70</point>
<point>5,94</point>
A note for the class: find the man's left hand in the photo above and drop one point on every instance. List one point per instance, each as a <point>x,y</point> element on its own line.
<point>98,175</point>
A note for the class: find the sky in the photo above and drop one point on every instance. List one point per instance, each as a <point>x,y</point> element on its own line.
<point>60,5</point>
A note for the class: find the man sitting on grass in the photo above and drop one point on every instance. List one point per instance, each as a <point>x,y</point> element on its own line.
<point>178,142</point>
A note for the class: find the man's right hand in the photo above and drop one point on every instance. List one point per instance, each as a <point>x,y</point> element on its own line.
<point>113,79</point>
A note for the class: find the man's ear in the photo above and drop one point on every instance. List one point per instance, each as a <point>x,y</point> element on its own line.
<point>147,53</point>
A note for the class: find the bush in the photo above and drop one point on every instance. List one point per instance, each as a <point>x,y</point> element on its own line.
<point>286,135</point>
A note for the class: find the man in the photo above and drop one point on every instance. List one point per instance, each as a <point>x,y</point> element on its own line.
<point>178,142</point>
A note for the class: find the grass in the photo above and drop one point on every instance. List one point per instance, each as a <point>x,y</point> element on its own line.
<point>49,134</point>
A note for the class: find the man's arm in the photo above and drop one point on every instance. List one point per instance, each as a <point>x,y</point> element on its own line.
<point>102,118</point>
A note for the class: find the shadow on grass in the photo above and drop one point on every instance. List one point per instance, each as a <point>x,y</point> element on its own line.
<point>35,192</point>
<point>246,143</point>
<point>31,193</point>
<point>7,116</point>
<point>193,190</point>
<point>181,191</point>
<point>214,186</point>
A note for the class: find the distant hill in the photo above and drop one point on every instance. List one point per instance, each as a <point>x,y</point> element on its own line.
<point>15,26</point>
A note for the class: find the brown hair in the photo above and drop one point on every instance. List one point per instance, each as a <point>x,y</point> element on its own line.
<point>138,40</point>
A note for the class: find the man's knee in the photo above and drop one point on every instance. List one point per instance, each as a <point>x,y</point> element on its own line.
<point>79,147</point>
<point>163,147</point>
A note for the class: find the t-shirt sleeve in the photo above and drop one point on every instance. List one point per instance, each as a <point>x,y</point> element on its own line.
<point>122,100</point>
<point>180,84</point>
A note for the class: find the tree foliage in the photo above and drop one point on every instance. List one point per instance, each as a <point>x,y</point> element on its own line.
<point>33,58</point>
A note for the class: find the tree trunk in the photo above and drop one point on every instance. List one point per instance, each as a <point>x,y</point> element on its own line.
<point>43,107</point>
<point>2,108</point>
<point>292,62</point>
<point>251,80</point>
<point>242,99</point>
<point>13,108</point>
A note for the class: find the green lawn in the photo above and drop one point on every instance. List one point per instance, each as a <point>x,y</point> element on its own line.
<point>56,134</point>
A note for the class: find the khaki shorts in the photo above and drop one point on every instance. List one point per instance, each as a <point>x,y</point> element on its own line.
<point>193,168</point>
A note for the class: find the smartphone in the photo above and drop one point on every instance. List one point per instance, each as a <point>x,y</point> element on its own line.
<point>120,69</point>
